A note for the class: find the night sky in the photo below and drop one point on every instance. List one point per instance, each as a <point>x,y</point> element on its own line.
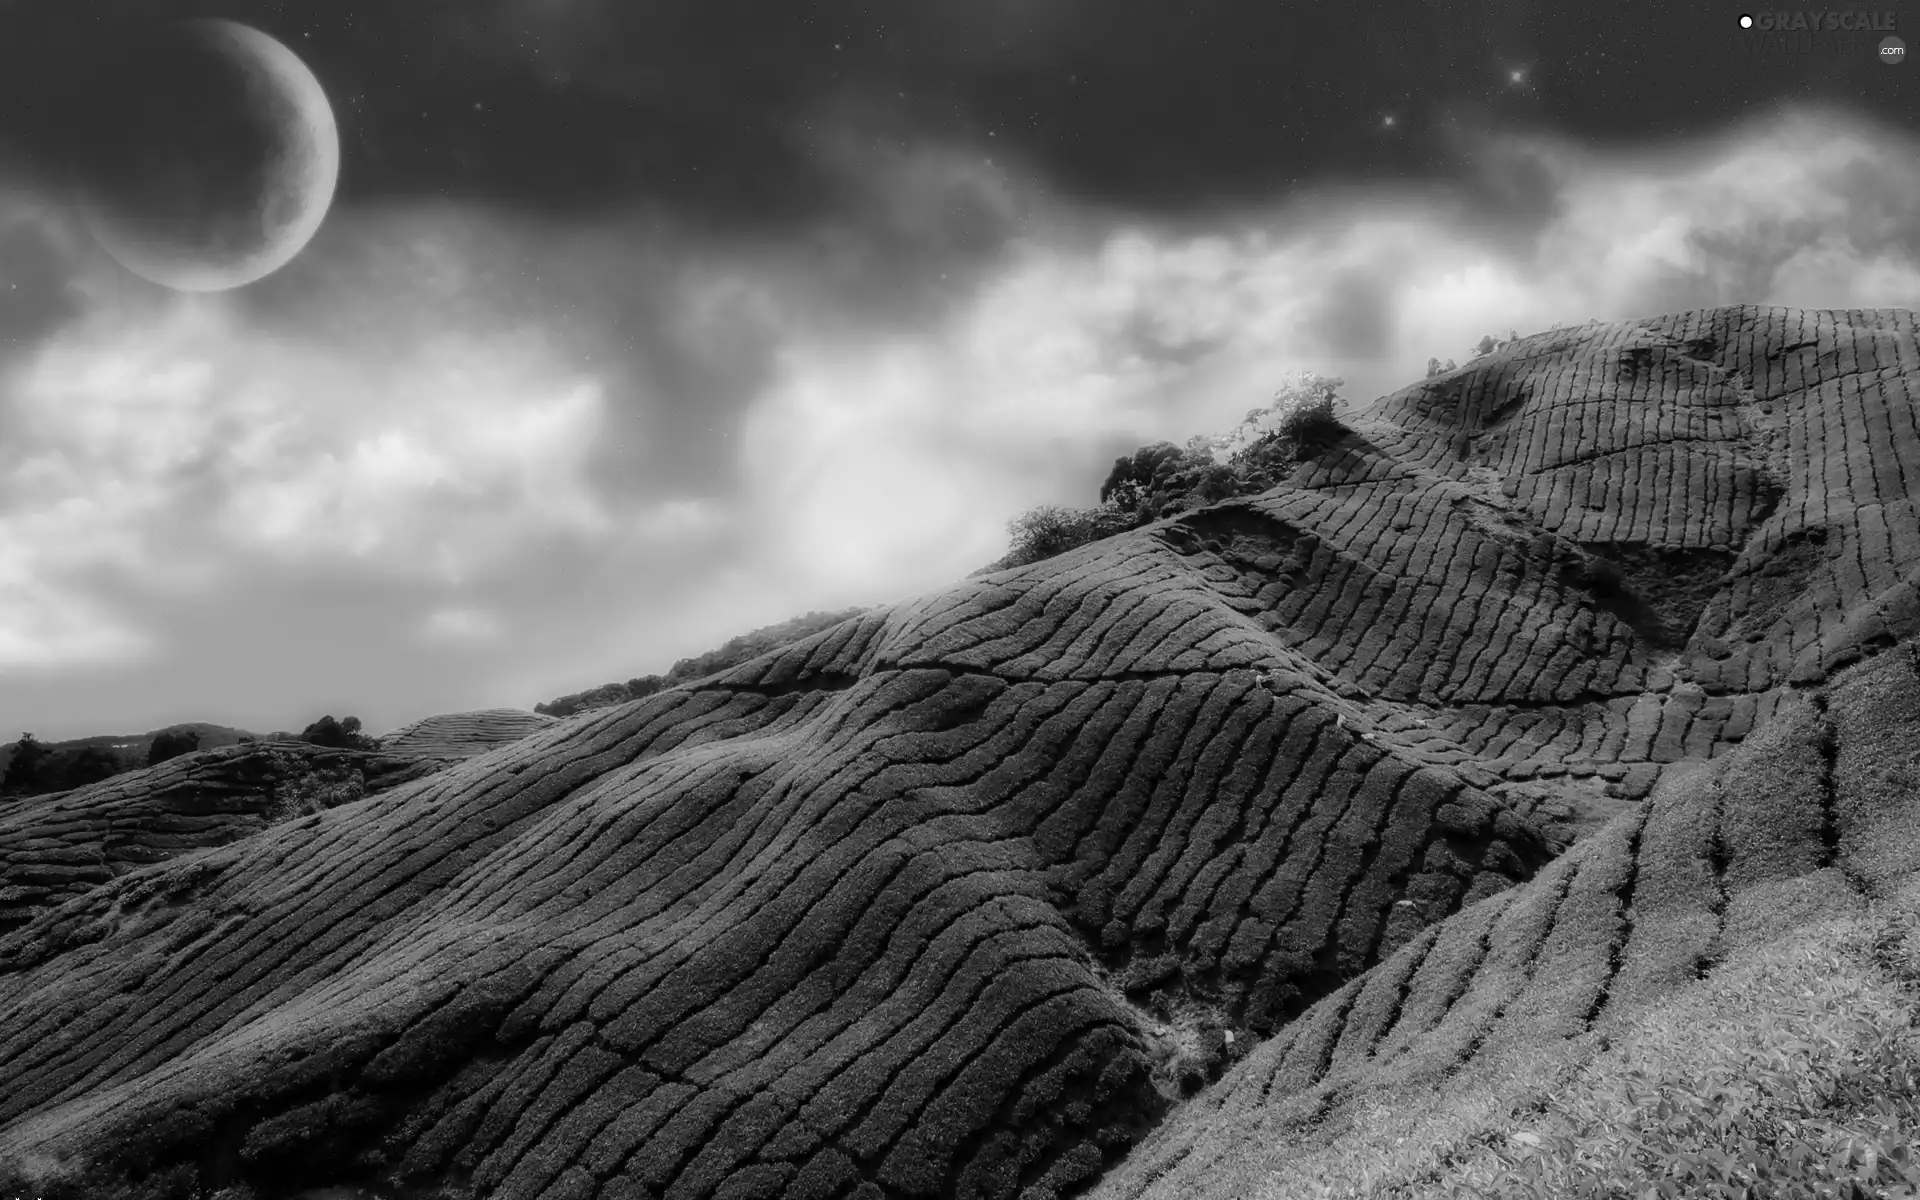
<point>636,324</point>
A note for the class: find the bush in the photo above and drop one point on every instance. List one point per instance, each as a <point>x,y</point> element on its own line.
<point>1298,423</point>
<point>1162,479</point>
<point>172,743</point>
<point>1043,532</point>
<point>301,789</point>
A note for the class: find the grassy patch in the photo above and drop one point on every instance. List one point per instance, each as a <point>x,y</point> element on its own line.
<point>1793,1073</point>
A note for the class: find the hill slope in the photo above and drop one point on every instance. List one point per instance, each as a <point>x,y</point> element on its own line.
<point>1812,818</point>
<point>62,845</point>
<point>462,735</point>
<point>965,895</point>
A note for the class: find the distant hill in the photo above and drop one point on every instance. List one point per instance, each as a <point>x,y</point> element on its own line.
<point>1544,695</point>
<point>130,748</point>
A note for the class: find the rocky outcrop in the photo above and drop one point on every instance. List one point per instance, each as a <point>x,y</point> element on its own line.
<point>966,895</point>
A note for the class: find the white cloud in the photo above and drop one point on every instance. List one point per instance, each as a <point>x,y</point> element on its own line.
<point>46,627</point>
<point>899,459</point>
<point>462,627</point>
<point>678,520</point>
<point>172,444</point>
<point>178,444</point>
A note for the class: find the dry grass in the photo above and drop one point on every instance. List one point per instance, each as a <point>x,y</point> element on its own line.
<point>1795,1073</point>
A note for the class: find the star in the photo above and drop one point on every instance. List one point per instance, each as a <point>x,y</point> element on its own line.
<point>1387,121</point>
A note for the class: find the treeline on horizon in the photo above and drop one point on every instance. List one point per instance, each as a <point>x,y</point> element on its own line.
<point>37,768</point>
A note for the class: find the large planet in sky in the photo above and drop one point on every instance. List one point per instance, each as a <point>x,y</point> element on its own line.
<point>209,154</point>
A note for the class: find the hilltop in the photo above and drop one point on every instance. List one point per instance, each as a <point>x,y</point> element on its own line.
<point>1533,696</point>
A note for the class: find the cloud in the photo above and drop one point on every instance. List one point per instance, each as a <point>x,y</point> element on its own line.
<point>899,458</point>
<point>460,453</point>
<point>624,444</point>
<point>462,627</point>
<point>45,627</point>
<point>169,441</point>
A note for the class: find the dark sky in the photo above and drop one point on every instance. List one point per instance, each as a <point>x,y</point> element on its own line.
<point>636,324</point>
<point>711,105</point>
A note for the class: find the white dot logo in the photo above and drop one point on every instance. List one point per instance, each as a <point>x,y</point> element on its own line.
<point>1746,21</point>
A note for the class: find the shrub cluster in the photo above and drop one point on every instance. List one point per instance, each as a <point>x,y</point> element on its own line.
<point>1162,479</point>
<point>338,735</point>
<point>301,788</point>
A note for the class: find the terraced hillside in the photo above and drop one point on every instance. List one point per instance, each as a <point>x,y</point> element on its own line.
<point>462,735</point>
<point>1814,816</point>
<point>966,895</point>
<point>63,845</point>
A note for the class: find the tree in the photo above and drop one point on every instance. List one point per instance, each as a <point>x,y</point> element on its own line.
<point>1048,530</point>
<point>1158,480</point>
<point>1297,423</point>
<point>338,735</point>
<point>172,743</point>
<point>1162,479</point>
<point>91,765</point>
<point>29,756</point>
<point>1434,367</point>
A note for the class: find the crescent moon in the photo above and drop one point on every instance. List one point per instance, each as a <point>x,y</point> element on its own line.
<point>228,249</point>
